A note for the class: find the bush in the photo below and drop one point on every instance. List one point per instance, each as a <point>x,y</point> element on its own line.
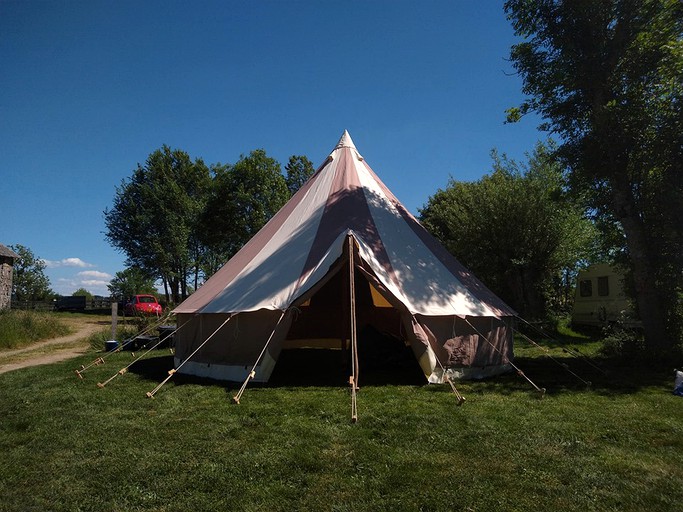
<point>622,342</point>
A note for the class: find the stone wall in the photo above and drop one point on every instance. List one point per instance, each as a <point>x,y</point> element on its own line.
<point>5,282</point>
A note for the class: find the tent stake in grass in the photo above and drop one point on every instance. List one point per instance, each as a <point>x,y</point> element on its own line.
<point>172,372</point>
<point>354,406</point>
<point>461,399</point>
<point>458,396</point>
<point>96,362</point>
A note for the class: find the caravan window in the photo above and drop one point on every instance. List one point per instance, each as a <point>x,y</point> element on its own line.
<point>603,286</point>
<point>586,288</point>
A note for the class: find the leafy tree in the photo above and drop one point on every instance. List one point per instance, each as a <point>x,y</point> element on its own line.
<point>155,215</point>
<point>243,198</point>
<point>82,292</point>
<point>516,229</point>
<point>131,281</point>
<point>299,169</point>
<point>29,281</point>
<point>607,77</point>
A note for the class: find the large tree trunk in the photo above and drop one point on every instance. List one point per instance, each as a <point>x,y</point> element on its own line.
<point>648,300</point>
<point>175,289</point>
<point>166,293</point>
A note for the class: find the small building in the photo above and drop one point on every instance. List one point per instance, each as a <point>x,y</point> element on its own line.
<point>7,257</point>
<point>600,298</point>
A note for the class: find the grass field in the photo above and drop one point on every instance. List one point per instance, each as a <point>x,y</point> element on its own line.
<point>68,445</point>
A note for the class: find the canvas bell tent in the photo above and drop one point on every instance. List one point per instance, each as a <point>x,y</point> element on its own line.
<point>341,257</point>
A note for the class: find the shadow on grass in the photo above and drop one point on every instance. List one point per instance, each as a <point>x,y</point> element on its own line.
<point>610,378</point>
<point>325,368</point>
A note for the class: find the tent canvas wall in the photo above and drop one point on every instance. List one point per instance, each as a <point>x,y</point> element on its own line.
<point>289,286</point>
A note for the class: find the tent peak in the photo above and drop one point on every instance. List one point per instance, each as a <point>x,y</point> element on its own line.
<point>346,142</point>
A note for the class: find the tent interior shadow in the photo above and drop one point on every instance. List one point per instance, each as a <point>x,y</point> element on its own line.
<point>383,360</point>
<point>323,367</point>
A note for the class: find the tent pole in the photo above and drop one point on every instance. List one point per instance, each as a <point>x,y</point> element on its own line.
<point>353,380</point>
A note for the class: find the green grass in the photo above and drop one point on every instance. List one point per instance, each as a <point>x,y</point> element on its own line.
<point>21,328</point>
<point>69,445</point>
<point>565,330</point>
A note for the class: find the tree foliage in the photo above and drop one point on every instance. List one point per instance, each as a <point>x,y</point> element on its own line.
<point>155,214</point>
<point>516,229</point>
<point>82,292</point>
<point>178,220</point>
<point>299,169</point>
<point>607,77</point>
<point>131,281</point>
<point>244,196</point>
<point>29,282</point>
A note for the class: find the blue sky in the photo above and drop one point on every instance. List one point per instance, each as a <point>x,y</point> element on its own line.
<point>88,89</point>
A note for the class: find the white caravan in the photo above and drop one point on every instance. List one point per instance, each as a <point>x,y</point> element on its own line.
<point>600,299</point>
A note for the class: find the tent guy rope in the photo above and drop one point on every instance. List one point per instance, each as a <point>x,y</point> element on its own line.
<point>541,391</point>
<point>252,373</point>
<point>563,365</point>
<point>125,369</point>
<point>101,359</point>
<point>173,371</point>
<point>573,352</point>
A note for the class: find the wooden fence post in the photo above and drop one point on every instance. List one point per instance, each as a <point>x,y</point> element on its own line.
<point>114,318</point>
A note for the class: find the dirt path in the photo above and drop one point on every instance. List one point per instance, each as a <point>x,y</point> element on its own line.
<point>54,350</point>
